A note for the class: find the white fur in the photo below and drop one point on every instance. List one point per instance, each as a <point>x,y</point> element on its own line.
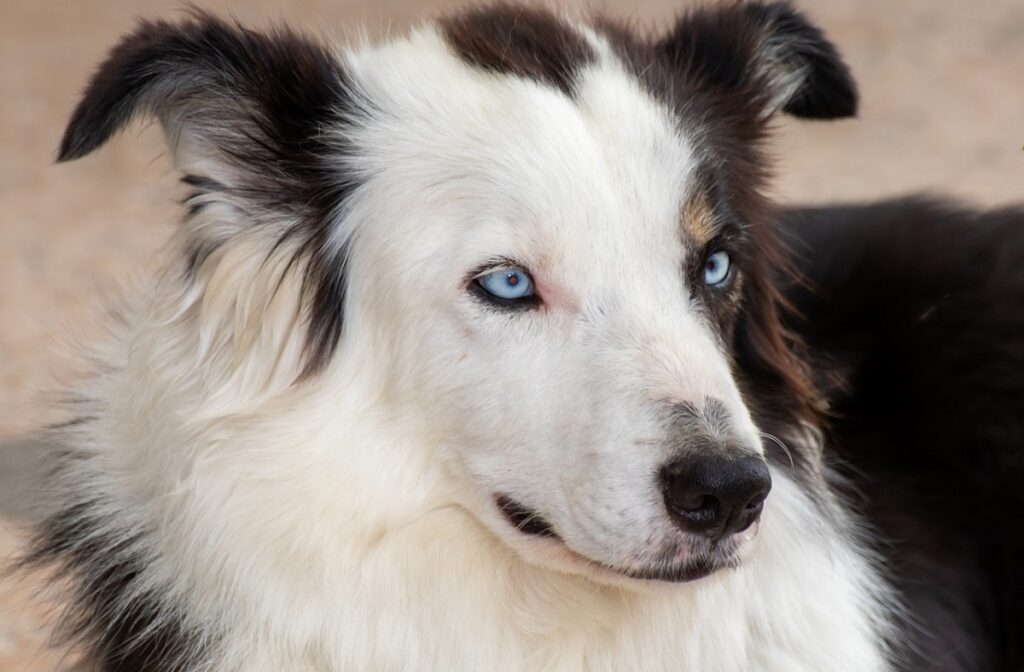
<point>346,522</point>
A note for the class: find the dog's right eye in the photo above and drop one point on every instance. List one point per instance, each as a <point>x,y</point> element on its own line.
<point>717,269</point>
<point>507,283</point>
<point>507,286</point>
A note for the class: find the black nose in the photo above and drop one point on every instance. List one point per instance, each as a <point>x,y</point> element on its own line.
<point>716,496</point>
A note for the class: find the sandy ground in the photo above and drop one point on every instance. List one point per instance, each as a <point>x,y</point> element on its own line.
<point>943,111</point>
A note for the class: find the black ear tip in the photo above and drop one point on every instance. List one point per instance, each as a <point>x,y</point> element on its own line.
<point>70,149</point>
<point>91,125</point>
<point>829,90</point>
<point>118,88</point>
<point>829,93</point>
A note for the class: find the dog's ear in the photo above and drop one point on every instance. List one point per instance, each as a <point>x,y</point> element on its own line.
<point>764,52</point>
<point>258,123</point>
<point>233,102</point>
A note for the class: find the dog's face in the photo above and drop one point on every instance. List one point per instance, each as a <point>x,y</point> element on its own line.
<point>552,231</point>
<point>561,289</point>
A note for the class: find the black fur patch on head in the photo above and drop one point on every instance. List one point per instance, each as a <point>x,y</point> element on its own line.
<point>270,108</point>
<point>519,41</point>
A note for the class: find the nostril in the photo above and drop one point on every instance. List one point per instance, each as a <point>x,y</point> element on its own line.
<point>702,514</point>
<point>694,503</point>
<point>756,502</point>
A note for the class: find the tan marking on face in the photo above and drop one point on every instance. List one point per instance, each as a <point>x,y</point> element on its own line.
<point>698,218</point>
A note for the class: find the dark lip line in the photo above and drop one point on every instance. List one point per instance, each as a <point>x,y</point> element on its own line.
<point>694,571</point>
<point>531,523</point>
<point>524,519</point>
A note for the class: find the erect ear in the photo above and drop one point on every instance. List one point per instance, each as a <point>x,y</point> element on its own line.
<point>767,52</point>
<point>257,122</point>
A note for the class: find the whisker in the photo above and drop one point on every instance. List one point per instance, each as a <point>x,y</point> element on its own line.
<point>778,442</point>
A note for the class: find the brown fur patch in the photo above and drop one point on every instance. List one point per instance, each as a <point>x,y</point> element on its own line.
<point>698,219</point>
<point>519,41</point>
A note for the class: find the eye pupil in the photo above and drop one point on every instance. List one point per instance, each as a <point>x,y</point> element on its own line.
<point>512,279</point>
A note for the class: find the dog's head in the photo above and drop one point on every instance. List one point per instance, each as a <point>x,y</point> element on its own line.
<point>544,241</point>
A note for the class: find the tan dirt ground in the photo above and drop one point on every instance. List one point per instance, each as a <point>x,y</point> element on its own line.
<point>943,111</point>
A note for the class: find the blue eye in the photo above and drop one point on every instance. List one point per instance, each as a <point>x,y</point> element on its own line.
<point>507,284</point>
<point>716,268</point>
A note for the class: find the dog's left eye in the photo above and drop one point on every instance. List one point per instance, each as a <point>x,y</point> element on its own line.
<point>507,284</point>
<point>716,268</point>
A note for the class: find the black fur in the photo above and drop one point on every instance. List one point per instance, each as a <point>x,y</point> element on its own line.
<point>918,316</point>
<point>748,48</point>
<point>115,614</point>
<point>519,41</point>
<point>122,623</point>
<point>262,102</point>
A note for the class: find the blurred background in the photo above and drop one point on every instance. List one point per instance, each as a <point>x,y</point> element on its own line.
<point>942,84</point>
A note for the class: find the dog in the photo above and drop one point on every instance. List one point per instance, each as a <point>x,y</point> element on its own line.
<point>476,350</point>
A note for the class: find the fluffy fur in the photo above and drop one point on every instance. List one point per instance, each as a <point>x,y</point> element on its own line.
<point>301,445</point>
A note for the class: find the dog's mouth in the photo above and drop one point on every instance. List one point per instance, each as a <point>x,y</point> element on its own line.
<point>526,520</point>
<point>531,523</point>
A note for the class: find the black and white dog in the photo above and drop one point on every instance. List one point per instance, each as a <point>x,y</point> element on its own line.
<point>476,352</point>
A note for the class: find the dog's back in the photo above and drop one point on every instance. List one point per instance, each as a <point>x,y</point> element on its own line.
<point>918,306</point>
